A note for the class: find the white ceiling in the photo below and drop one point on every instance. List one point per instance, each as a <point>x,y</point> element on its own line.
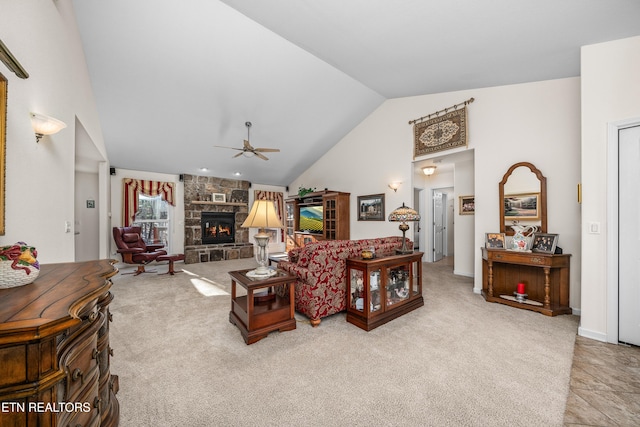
<point>173,78</point>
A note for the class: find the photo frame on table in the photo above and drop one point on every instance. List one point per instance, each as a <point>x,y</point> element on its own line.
<point>371,207</point>
<point>544,243</point>
<point>525,206</point>
<point>467,205</point>
<point>218,197</point>
<point>495,241</point>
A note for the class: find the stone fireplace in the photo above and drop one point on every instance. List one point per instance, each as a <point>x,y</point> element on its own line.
<point>213,230</point>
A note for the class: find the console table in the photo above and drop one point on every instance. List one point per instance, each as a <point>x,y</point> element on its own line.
<point>54,348</point>
<point>546,279</point>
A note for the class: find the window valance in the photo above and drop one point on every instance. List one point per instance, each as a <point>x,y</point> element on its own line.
<point>133,187</point>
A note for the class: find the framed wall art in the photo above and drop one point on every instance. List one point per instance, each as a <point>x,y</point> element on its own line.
<point>524,206</point>
<point>371,208</point>
<point>467,205</point>
<point>218,197</point>
<point>545,243</point>
<point>495,241</point>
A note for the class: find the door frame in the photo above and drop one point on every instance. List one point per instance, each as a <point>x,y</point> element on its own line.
<point>445,231</point>
<point>613,141</point>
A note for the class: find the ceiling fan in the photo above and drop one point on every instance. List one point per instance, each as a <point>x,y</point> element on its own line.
<point>248,151</point>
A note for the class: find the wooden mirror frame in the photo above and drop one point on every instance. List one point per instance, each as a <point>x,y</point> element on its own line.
<point>543,197</point>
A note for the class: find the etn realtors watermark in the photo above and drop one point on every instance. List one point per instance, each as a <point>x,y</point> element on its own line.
<point>45,407</point>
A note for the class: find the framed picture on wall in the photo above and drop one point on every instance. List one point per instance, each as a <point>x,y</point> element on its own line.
<point>371,208</point>
<point>495,241</point>
<point>467,205</point>
<point>218,197</point>
<point>522,206</point>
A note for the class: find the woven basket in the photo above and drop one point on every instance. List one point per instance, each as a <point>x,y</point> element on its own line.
<point>25,257</point>
<point>10,278</point>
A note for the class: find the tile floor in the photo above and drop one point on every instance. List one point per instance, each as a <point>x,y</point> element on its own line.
<point>605,385</point>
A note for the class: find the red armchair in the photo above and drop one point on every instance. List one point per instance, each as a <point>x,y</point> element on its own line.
<point>133,249</point>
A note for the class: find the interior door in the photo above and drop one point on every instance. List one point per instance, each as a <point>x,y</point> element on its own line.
<point>629,236</point>
<point>439,203</point>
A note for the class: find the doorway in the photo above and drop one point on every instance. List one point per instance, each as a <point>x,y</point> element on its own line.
<point>623,210</point>
<point>89,198</point>
<point>628,235</point>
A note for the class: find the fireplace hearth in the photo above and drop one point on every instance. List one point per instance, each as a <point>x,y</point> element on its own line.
<point>218,227</point>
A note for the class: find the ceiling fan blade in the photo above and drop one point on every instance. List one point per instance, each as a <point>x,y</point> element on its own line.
<point>268,150</point>
<point>261,156</point>
<point>238,155</point>
<point>230,148</point>
<point>247,146</point>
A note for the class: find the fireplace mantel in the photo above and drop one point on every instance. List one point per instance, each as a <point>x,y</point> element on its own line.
<point>205,202</point>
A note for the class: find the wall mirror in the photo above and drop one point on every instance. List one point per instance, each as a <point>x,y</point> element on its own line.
<point>523,198</point>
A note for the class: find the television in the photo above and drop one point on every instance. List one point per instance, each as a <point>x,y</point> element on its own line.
<point>311,219</point>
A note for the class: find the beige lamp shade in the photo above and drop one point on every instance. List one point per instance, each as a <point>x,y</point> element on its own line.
<point>263,215</point>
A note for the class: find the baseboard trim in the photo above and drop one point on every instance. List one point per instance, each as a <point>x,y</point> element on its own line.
<point>598,336</point>
<point>457,273</point>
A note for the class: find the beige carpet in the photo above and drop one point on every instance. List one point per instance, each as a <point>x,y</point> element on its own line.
<point>457,361</point>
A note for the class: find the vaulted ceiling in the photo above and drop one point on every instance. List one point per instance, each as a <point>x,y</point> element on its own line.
<point>174,78</point>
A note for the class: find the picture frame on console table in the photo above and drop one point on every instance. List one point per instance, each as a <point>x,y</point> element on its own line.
<point>495,241</point>
<point>544,243</point>
<point>371,208</point>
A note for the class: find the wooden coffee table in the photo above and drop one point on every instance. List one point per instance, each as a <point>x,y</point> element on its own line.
<point>256,315</point>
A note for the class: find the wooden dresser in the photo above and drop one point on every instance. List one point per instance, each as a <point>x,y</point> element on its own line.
<point>546,277</point>
<point>54,349</point>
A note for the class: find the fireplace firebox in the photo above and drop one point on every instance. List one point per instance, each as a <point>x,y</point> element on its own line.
<point>218,227</point>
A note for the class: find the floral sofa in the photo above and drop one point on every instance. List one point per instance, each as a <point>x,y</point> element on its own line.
<point>320,268</point>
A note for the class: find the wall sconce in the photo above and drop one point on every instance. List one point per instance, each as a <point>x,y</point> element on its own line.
<point>429,170</point>
<point>45,125</point>
<point>395,185</point>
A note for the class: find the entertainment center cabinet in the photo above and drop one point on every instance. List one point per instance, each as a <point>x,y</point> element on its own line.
<point>333,210</point>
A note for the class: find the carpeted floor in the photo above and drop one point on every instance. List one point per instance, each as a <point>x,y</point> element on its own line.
<point>457,361</point>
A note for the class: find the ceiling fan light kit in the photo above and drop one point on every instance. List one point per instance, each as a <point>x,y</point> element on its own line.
<point>248,150</point>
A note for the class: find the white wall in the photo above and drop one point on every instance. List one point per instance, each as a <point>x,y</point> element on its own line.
<point>535,122</point>
<point>176,232</point>
<point>610,92</point>
<point>42,35</point>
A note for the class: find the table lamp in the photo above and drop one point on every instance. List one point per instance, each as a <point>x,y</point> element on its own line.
<point>402,215</point>
<point>262,215</point>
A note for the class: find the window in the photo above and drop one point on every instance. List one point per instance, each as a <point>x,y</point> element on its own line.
<point>153,217</point>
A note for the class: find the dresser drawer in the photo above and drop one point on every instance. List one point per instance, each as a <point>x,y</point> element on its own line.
<point>89,413</point>
<point>80,360</point>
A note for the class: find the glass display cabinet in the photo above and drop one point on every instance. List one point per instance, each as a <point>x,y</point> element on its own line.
<point>381,289</point>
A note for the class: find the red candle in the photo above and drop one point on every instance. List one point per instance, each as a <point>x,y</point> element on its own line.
<point>520,288</point>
